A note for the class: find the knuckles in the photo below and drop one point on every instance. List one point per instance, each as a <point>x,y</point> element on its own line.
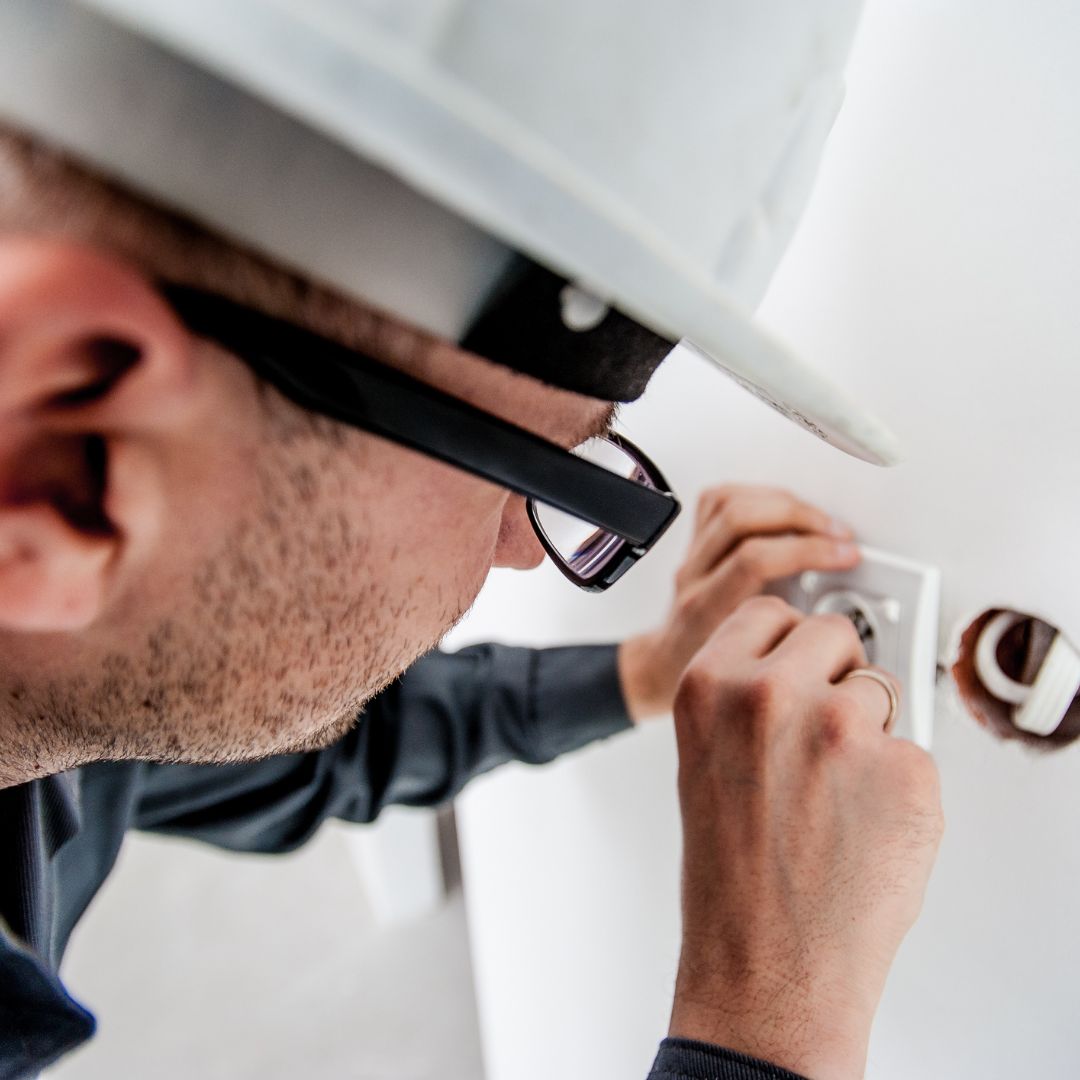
<point>737,516</point>
<point>840,721</point>
<point>767,607</point>
<point>709,501</point>
<point>749,560</point>
<point>735,500</point>
<point>766,698</point>
<point>841,627</point>
<point>709,684</point>
<point>699,691</point>
<point>695,604</point>
<point>754,703</point>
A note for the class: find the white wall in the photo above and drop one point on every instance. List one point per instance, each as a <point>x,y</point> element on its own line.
<point>937,276</point>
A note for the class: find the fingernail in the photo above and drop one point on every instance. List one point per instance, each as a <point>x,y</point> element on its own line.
<point>838,528</point>
<point>846,552</point>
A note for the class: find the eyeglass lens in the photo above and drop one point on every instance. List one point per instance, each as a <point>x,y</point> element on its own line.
<point>584,548</point>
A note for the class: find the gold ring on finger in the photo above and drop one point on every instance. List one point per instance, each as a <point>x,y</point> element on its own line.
<point>886,684</point>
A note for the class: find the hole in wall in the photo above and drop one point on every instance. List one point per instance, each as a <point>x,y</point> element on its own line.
<point>1015,648</point>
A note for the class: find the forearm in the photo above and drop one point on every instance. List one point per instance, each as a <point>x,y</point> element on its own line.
<point>448,719</point>
<point>457,715</point>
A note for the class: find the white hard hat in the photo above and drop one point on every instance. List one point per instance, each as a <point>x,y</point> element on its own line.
<point>407,152</point>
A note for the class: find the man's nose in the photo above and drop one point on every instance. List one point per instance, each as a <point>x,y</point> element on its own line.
<point>517,546</point>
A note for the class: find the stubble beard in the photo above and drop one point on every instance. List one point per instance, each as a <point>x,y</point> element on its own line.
<point>265,654</point>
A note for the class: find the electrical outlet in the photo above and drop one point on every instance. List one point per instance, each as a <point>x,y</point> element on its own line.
<point>893,603</point>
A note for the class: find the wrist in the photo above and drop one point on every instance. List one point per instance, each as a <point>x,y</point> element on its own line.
<point>779,1020</point>
<point>641,678</point>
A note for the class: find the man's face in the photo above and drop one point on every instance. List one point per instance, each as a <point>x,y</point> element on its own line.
<point>196,569</point>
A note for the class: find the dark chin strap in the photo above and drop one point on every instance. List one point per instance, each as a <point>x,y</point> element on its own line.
<point>522,327</point>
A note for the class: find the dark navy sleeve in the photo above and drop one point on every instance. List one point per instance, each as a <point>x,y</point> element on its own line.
<point>685,1059</point>
<point>450,717</point>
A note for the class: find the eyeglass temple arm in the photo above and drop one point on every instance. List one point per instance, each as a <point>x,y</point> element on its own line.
<point>351,387</point>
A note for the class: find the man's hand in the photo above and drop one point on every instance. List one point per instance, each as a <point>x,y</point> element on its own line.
<point>809,835</point>
<point>745,538</point>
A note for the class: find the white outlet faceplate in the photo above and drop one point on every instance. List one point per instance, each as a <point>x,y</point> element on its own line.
<point>894,603</point>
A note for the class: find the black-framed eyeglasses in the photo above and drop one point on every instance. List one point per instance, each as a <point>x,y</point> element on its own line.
<point>596,511</point>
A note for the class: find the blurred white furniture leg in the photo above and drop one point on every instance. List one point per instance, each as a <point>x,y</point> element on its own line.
<point>399,864</point>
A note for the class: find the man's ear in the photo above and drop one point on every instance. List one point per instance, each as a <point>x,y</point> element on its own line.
<point>94,368</point>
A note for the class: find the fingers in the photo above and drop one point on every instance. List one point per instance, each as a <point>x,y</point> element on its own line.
<point>870,698</point>
<point>745,538</point>
<point>753,631</point>
<point>825,647</point>
<point>761,560</point>
<point>727,516</point>
<point>766,641</point>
